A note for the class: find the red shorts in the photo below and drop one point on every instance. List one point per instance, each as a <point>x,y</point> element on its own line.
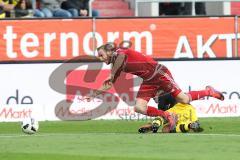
<point>163,82</point>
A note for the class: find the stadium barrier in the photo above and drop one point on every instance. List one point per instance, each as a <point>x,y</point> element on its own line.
<point>155,9</point>
<point>49,89</point>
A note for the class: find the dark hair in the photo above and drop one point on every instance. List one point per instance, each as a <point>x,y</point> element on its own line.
<point>111,46</point>
<point>166,101</point>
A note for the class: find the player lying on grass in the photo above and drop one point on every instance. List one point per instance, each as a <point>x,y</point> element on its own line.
<point>155,77</point>
<point>186,117</point>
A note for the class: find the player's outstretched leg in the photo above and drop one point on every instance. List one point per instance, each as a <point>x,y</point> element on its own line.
<point>214,93</point>
<point>196,95</point>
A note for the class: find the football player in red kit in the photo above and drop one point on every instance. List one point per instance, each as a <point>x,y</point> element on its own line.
<point>155,77</point>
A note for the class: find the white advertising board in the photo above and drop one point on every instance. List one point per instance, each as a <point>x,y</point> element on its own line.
<point>33,90</point>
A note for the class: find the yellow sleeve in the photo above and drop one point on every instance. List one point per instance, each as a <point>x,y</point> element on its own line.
<point>15,2</point>
<point>182,127</point>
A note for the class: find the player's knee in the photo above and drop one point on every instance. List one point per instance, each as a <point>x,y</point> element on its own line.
<point>140,109</point>
<point>183,99</point>
<point>141,106</point>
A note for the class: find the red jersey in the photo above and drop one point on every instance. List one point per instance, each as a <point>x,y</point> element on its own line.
<point>156,77</point>
<point>138,64</point>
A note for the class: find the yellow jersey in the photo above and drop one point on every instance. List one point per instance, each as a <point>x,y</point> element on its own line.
<point>186,114</point>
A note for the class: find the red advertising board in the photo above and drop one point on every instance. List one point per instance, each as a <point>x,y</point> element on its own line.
<point>174,37</point>
<point>43,39</point>
<point>58,39</point>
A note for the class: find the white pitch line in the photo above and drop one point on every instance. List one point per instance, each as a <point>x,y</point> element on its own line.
<point>214,134</point>
<point>12,136</point>
<point>79,134</point>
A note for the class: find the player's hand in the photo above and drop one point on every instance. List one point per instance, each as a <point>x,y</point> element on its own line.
<point>107,83</point>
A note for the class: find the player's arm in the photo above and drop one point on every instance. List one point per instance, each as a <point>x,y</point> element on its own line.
<point>105,86</point>
<point>117,67</point>
<point>115,72</point>
<point>185,127</point>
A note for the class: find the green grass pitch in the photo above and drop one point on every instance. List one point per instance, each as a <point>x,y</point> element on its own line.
<point>119,140</point>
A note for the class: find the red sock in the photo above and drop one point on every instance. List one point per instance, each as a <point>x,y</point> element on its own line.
<point>195,95</point>
<point>154,112</point>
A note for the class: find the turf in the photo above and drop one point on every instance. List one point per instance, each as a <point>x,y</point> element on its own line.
<point>119,140</point>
